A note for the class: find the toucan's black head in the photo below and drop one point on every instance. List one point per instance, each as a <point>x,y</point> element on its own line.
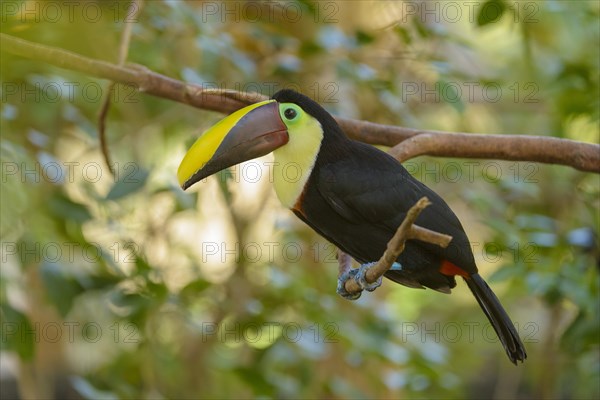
<point>330,126</point>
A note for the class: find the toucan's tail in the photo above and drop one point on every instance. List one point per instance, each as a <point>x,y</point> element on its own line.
<point>498,318</point>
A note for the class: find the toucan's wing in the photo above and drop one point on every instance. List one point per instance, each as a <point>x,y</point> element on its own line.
<point>372,186</point>
<point>369,186</point>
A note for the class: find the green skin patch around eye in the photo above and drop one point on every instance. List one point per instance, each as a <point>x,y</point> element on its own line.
<point>300,114</point>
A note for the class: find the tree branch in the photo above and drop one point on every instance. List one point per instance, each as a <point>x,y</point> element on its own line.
<point>135,75</point>
<point>409,142</point>
<point>549,150</point>
<point>123,51</point>
<point>395,246</point>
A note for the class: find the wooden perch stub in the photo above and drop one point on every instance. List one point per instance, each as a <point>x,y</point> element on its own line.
<point>395,246</point>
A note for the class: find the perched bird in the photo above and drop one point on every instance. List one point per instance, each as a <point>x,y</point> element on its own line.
<point>351,193</point>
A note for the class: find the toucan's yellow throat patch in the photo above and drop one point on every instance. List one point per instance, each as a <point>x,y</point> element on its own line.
<point>295,161</point>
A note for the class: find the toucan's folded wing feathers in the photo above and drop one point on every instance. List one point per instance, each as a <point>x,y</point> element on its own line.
<point>383,202</point>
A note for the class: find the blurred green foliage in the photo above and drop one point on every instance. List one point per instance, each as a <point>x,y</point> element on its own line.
<point>125,287</point>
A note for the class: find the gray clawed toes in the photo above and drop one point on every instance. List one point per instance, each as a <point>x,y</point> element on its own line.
<point>341,285</point>
<point>359,276</point>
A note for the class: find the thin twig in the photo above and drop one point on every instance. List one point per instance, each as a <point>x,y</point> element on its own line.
<point>395,246</point>
<point>582,156</point>
<point>426,235</point>
<point>134,9</point>
<point>102,129</point>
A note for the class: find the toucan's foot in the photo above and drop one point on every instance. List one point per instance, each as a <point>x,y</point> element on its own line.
<point>341,285</point>
<point>359,277</point>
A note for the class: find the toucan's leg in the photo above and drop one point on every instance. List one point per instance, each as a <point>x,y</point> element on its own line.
<point>344,262</point>
<point>358,275</point>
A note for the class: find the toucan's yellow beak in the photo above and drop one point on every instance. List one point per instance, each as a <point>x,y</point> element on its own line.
<point>248,133</point>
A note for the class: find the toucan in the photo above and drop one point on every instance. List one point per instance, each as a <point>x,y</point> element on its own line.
<point>351,193</point>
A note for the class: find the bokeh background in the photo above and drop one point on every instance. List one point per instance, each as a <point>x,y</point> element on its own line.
<point>126,287</point>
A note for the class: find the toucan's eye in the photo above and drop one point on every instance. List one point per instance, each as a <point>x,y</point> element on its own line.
<point>290,113</point>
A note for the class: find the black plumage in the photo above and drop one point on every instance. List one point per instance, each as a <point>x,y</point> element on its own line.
<point>357,196</point>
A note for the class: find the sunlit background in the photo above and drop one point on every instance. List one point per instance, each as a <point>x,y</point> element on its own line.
<point>126,287</point>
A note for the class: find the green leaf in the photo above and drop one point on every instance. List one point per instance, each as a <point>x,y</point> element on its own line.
<point>543,284</point>
<point>143,268</point>
<point>102,281</point>
<point>490,12</point>
<point>88,391</point>
<point>61,206</point>
<point>582,334</point>
<point>61,287</point>
<point>223,178</point>
<point>129,305</point>
<point>17,333</point>
<point>423,31</point>
<point>254,378</point>
<point>403,33</point>
<point>128,183</point>
<point>506,272</point>
<point>194,288</point>
<point>363,37</point>
<point>310,48</point>
<point>450,95</point>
